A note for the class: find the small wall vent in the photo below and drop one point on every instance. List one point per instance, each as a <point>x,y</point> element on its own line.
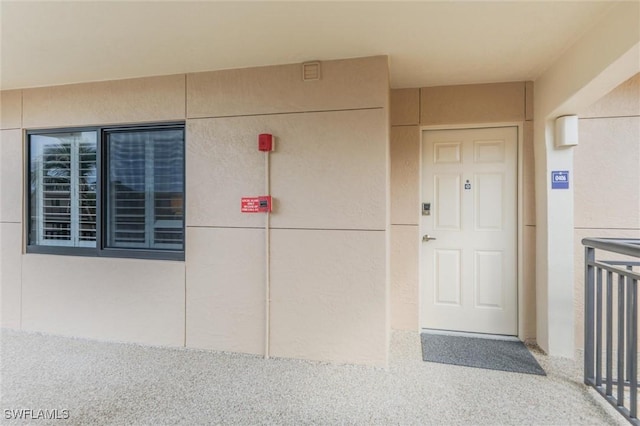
<point>311,71</point>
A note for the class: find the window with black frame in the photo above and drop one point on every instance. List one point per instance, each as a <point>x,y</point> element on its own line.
<point>107,191</point>
<point>63,189</point>
<point>145,194</point>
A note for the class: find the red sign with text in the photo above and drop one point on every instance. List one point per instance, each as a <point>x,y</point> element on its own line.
<point>256,204</point>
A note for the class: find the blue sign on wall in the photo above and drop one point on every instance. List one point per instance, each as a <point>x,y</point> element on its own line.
<point>560,179</point>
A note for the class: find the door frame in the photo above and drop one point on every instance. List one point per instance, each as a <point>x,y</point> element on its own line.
<point>519,125</point>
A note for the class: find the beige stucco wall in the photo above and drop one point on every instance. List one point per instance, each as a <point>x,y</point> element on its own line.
<point>10,274</point>
<point>330,225</point>
<point>452,106</point>
<point>115,299</point>
<point>136,100</point>
<point>344,84</point>
<point>112,299</point>
<point>10,207</point>
<point>328,240</point>
<point>601,59</point>
<point>607,178</point>
<point>11,109</point>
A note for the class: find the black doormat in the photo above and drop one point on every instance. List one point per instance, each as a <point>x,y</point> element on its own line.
<point>477,352</point>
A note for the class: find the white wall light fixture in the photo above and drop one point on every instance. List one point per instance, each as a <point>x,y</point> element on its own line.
<point>566,131</point>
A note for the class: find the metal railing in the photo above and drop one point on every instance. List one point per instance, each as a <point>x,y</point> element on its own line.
<point>611,321</point>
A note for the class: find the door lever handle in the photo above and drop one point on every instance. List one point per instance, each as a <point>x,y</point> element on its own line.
<point>427,238</point>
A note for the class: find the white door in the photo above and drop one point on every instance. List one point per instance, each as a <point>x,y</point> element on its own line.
<point>468,270</point>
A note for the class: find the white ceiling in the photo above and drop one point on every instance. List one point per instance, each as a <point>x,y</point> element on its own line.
<point>429,43</point>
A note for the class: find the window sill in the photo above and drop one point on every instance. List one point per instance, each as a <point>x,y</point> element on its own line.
<point>107,252</point>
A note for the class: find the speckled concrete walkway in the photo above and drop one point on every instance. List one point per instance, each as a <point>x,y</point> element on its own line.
<point>110,383</point>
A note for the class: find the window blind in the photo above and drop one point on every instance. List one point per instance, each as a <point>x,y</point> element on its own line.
<point>64,183</point>
<point>146,186</point>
